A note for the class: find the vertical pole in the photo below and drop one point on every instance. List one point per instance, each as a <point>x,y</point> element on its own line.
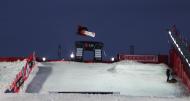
<point>59,53</point>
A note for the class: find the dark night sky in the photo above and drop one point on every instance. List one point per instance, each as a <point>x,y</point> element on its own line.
<point>40,25</point>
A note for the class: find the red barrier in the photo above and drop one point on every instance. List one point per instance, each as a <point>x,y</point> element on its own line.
<point>22,76</point>
<point>11,59</point>
<point>179,67</point>
<point>163,59</point>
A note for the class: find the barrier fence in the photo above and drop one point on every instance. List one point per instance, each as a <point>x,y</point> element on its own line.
<point>11,59</point>
<point>23,75</point>
<point>179,55</point>
<point>180,67</point>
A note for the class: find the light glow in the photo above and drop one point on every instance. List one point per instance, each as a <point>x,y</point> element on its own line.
<point>112,59</point>
<point>72,55</point>
<point>44,59</point>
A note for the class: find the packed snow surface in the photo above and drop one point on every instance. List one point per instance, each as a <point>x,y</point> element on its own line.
<point>126,78</point>
<point>8,72</point>
<point>79,97</point>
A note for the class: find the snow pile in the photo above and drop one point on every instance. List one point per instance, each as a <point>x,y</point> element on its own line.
<point>126,77</point>
<point>8,72</point>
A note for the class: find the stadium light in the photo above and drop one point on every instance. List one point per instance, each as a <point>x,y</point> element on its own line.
<point>44,59</point>
<point>169,32</point>
<point>112,59</point>
<point>72,56</point>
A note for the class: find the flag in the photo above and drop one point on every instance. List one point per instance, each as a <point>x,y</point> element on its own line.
<point>84,31</point>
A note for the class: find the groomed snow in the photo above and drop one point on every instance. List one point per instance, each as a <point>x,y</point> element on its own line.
<point>79,97</point>
<point>8,72</point>
<point>126,77</point>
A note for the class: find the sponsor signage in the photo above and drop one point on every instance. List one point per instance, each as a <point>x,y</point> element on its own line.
<point>139,58</point>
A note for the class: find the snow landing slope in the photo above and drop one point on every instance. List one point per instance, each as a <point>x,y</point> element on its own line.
<point>126,77</point>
